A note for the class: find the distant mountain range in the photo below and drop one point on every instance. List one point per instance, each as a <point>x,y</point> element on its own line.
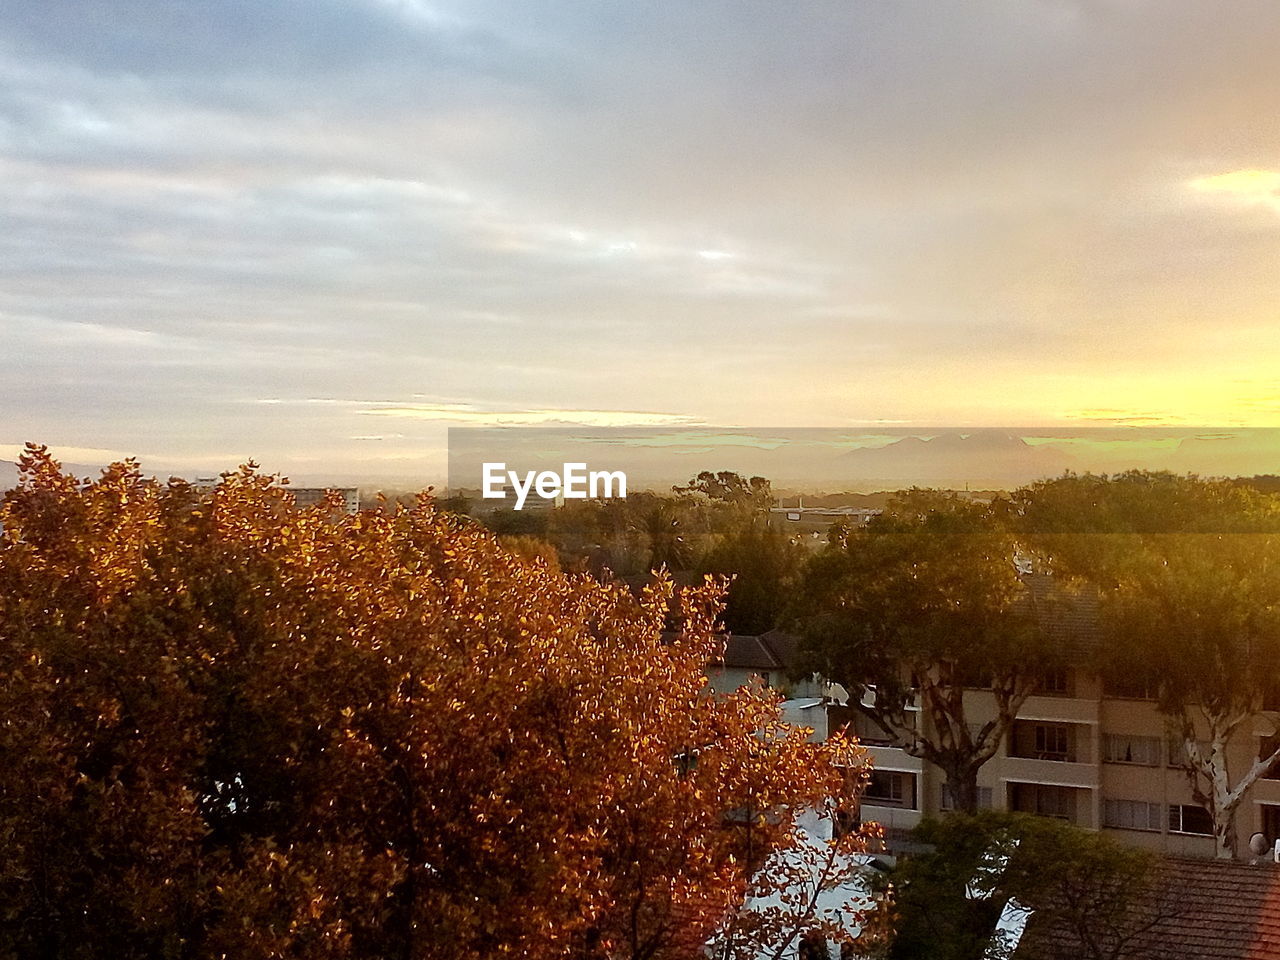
<point>813,460</point>
<point>950,459</point>
<point>1003,459</point>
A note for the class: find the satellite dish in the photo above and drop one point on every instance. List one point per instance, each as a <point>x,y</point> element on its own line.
<point>1258,845</point>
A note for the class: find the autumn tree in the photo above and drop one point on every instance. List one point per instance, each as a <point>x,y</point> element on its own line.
<point>532,548</point>
<point>815,889</point>
<point>907,613</point>
<point>100,736</point>
<point>233,728</point>
<point>1188,574</point>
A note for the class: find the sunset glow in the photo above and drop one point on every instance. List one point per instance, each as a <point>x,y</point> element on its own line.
<point>411,215</point>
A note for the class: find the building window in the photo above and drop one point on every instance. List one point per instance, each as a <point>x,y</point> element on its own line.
<point>1043,799</point>
<point>854,721</point>
<point>1266,747</point>
<point>1190,818</point>
<point>973,677</point>
<point>1271,697</point>
<point>984,798</point>
<point>1036,740</point>
<point>1051,741</point>
<point>1122,748</point>
<point>1270,822</point>
<point>1129,688</point>
<point>890,789</point>
<point>1131,815</point>
<point>1055,683</point>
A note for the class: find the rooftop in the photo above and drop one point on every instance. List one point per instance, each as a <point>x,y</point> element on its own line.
<point>1203,910</point>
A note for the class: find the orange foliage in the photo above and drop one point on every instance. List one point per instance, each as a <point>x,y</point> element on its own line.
<point>236,729</point>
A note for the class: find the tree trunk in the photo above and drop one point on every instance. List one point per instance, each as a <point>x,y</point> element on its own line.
<point>1224,834</point>
<point>962,785</point>
<point>1220,798</point>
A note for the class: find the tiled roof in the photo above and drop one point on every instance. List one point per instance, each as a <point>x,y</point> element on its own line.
<point>749,653</point>
<point>774,650</point>
<point>1204,910</point>
<point>785,646</point>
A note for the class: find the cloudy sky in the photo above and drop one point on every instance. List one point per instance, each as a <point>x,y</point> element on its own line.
<point>316,232</point>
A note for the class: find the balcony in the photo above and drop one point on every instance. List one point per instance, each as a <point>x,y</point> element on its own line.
<point>892,758</point>
<point>1058,772</point>
<point>1059,709</point>
<point>1052,740</point>
<point>1067,803</point>
<point>894,820</point>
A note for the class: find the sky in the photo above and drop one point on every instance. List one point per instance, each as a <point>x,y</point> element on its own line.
<point>318,232</point>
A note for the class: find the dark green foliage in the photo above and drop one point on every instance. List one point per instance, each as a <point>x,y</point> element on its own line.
<point>729,487</point>
<point>765,564</point>
<point>936,921</point>
<point>1188,577</point>
<point>628,537</point>
<point>1097,896</point>
<point>920,604</point>
<point>455,504</point>
<point>513,523</point>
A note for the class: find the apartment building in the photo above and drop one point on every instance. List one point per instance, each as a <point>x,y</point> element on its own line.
<point>310,496</point>
<point>1099,757</point>
<point>302,496</point>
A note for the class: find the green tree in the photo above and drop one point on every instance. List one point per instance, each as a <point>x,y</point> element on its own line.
<point>661,523</point>
<point>922,603</point>
<point>935,918</point>
<point>1095,897</point>
<point>1188,573</point>
<point>728,487</point>
<point>1090,896</point>
<point>457,503</point>
<point>765,565</point>
<point>507,522</point>
<point>628,537</point>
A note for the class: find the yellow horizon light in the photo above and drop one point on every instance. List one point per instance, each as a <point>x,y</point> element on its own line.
<point>1253,184</point>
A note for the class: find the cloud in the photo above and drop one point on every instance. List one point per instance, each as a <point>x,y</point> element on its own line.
<point>474,414</point>
<point>1126,418</point>
<point>66,454</point>
<point>1247,187</point>
<point>913,212</point>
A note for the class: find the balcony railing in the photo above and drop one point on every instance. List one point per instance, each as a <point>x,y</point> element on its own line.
<point>1060,709</point>
<point>1059,772</point>
<point>893,758</point>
